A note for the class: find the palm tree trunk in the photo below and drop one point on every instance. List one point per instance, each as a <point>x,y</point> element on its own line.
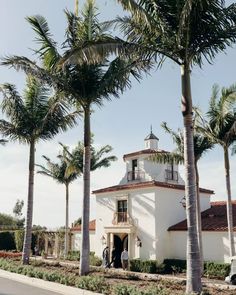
<point>194,284</point>
<point>85,247</point>
<point>229,203</point>
<point>67,221</point>
<point>29,217</point>
<point>199,220</point>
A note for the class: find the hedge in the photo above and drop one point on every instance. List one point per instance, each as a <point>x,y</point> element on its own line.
<point>147,266</point>
<point>7,241</point>
<point>211,269</point>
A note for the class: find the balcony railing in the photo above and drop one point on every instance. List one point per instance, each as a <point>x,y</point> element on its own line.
<point>135,175</point>
<point>122,218</point>
<point>171,175</point>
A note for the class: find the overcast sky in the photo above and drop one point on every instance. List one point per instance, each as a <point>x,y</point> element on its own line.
<point>122,123</point>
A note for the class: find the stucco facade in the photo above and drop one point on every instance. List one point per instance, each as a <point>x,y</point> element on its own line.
<point>215,245</point>
<point>137,213</point>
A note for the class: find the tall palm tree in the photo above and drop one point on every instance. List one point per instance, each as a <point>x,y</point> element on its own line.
<point>86,84</point>
<point>32,117</point>
<point>186,32</point>
<point>220,127</point>
<point>202,144</point>
<point>59,172</point>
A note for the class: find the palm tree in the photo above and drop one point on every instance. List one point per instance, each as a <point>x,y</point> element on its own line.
<point>3,141</point>
<point>202,144</point>
<point>86,84</point>
<point>59,172</point>
<point>98,157</point>
<point>32,117</point>
<point>220,127</point>
<point>186,32</point>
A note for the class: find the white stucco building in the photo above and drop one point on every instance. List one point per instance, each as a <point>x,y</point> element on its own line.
<point>144,212</point>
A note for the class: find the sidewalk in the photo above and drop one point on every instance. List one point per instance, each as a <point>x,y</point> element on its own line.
<point>50,286</point>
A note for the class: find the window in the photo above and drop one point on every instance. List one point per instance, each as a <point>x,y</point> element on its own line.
<point>122,211</point>
<point>134,168</point>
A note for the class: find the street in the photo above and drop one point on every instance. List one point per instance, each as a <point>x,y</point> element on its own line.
<point>10,287</point>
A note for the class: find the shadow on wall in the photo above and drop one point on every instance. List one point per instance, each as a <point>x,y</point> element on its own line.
<point>107,202</point>
<point>144,207</point>
<point>147,250</point>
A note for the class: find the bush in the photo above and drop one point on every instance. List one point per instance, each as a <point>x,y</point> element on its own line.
<point>73,256</point>
<point>174,265</point>
<point>147,266</point>
<point>7,241</point>
<point>216,270</point>
<point>135,265</point>
<point>131,290</point>
<point>19,239</point>
<point>94,260</point>
<point>92,283</point>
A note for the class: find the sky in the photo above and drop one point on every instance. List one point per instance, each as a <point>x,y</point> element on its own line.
<point>123,123</point>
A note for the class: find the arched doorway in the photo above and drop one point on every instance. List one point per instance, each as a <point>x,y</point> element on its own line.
<point>120,242</point>
<point>118,248</point>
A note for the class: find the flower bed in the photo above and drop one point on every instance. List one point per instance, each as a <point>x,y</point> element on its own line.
<point>108,282</point>
<point>6,254</point>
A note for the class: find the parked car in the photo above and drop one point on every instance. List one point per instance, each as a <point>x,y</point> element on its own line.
<point>231,278</point>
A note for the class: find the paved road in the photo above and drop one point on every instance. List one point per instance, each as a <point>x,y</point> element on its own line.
<point>10,287</point>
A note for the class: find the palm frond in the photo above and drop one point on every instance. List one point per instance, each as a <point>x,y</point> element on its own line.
<point>166,157</point>
<point>48,51</point>
<point>3,141</point>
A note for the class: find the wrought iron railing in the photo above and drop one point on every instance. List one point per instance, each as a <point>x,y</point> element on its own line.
<point>122,218</point>
<point>171,175</point>
<point>135,175</point>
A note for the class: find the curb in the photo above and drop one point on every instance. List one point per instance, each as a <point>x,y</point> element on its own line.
<point>50,286</point>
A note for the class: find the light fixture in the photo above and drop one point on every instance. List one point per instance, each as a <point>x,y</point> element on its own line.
<point>183,202</point>
<point>138,242</point>
<point>103,240</point>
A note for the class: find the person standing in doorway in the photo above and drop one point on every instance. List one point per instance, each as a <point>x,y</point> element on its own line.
<point>105,257</point>
<point>124,259</point>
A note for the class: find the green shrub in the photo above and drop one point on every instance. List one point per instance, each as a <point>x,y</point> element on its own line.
<point>73,256</point>
<point>135,265</point>
<point>92,283</point>
<point>149,266</point>
<point>94,260</point>
<point>174,265</point>
<point>122,289</point>
<point>19,239</point>
<point>216,270</point>
<point>7,241</point>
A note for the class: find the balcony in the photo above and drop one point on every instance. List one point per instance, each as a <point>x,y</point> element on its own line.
<point>135,175</point>
<point>122,218</point>
<point>171,175</point>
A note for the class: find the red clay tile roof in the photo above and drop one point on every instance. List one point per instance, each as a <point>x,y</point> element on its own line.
<point>143,152</point>
<point>145,184</point>
<point>92,226</point>
<point>213,219</point>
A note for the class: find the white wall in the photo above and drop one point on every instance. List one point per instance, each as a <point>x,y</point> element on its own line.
<point>76,241</point>
<point>152,170</point>
<point>153,210</point>
<point>143,211</point>
<point>215,245</point>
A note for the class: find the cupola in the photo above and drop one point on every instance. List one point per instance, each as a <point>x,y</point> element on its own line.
<point>151,141</point>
